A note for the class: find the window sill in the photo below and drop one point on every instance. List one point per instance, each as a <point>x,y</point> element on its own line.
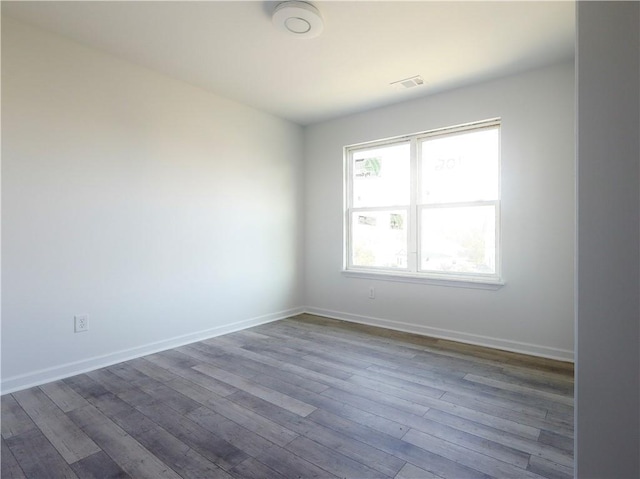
<point>450,281</point>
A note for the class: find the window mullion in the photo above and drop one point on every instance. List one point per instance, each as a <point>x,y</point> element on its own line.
<point>412,236</point>
<point>348,206</point>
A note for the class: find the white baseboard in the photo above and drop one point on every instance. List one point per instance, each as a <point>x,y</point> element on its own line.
<point>476,339</point>
<point>43,376</point>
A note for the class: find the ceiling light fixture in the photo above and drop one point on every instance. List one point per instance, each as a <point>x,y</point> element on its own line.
<point>300,19</point>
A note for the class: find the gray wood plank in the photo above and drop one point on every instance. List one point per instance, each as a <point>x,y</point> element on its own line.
<point>561,420</point>
<point>534,422</point>
<point>427,460</point>
<point>435,360</point>
<point>253,421</point>
<point>355,346</point>
<point>205,442</point>
<point>127,372</point>
<point>385,337</point>
<point>472,442</point>
<point>461,455</point>
<point>224,361</point>
<point>123,413</point>
<point>415,394</point>
<point>98,466</point>
<point>492,419</point>
<point>289,367</point>
<point>196,392</point>
<point>455,386</point>
<point>251,468</point>
<point>528,391</point>
<point>509,407</point>
<point>549,469</point>
<point>37,457</point>
<point>10,467</point>
<point>409,471</point>
<point>518,402</point>
<point>207,382</point>
<point>110,381</point>
<point>330,460</point>
<point>36,403</point>
<point>149,366</point>
<point>528,446</point>
<point>380,396</point>
<point>250,368</point>
<point>476,443</point>
<point>134,398</point>
<point>290,465</point>
<point>178,357</point>
<point>374,458</point>
<point>128,453</point>
<point>85,386</point>
<point>356,411</point>
<point>270,455</point>
<point>188,463</point>
<point>381,461</point>
<point>288,364</point>
<point>63,396</point>
<point>251,335</point>
<point>559,383</point>
<point>233,433</point>
<point>279,354</point>
<point>111,405</point>
<point>172,398</point>
<point>508,359</point>
<point>14,419</point>
<point>382,417</point>
<point>556,440</point>
<point>287,347</point>
<point>72,443</point>
<point>282,400</point>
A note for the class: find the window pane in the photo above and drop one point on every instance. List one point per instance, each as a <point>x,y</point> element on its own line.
<point>458,240</point>
<point>379,239</point>
<point>460,167</point>
<point>381,176</point>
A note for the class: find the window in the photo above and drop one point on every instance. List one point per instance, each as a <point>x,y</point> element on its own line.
<point>426,206</point>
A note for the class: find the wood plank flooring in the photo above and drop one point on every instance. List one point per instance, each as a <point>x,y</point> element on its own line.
<point>306,397</point>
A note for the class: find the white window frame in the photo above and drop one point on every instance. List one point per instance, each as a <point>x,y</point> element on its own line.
<point>413,273</point>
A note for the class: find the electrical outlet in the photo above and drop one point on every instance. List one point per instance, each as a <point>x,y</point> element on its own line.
<point>81,323</point>
<point>372,292</point>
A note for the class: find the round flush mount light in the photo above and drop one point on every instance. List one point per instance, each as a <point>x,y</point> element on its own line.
<point>300,19</point>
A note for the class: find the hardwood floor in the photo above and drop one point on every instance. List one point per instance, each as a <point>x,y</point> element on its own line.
<point>305,397</point>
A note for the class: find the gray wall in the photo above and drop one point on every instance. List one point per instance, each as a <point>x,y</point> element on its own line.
<point>608,314</point>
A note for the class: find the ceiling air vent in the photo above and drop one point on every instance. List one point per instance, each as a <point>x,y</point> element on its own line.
<point>408,83</point>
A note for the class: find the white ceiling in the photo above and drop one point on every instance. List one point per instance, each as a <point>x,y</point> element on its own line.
<point>231,48</point>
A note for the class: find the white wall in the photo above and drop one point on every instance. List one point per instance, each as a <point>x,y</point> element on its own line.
<point>163,212</point>
<point>608,308</point>
<point>533,312</point>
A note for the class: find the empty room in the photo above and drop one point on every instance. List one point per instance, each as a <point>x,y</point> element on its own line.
<point>255,239</point>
